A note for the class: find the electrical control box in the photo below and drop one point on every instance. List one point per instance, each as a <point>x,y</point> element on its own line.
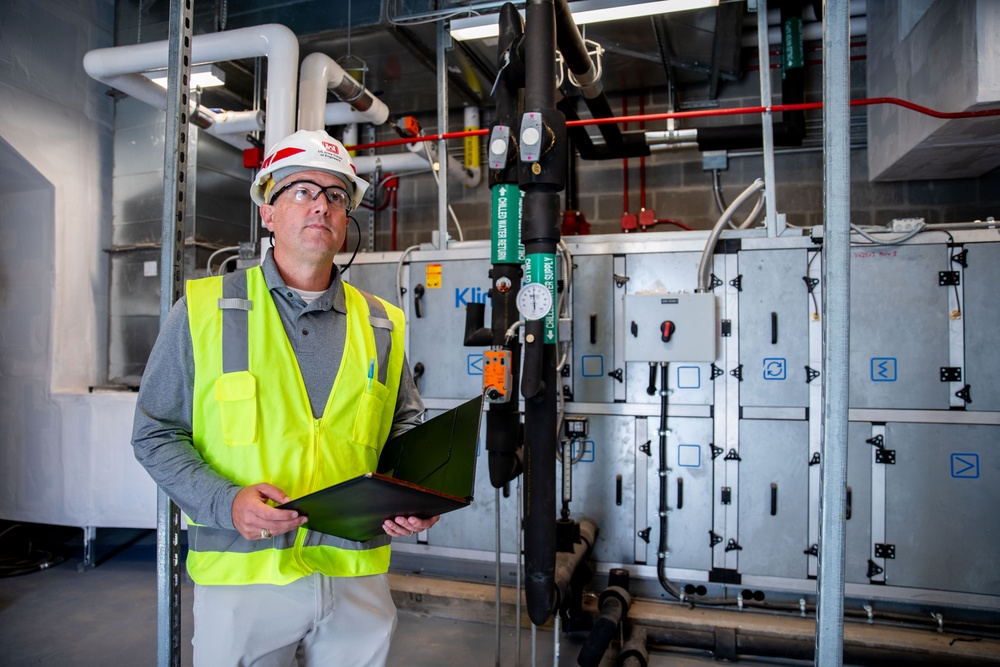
<point>670,327</point>
<point>496,375</point>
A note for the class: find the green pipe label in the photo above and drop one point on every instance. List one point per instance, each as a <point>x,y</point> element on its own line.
<point>506,224</point>
<point>541,268</point>
<point>791,45</point>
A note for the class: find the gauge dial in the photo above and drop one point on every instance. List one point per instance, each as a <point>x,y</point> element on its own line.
<point>534,301</point>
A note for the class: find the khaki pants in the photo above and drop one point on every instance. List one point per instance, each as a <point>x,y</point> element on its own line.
<point>317,620</point>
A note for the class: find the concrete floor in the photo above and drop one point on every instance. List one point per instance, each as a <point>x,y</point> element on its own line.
<point>73,617</point>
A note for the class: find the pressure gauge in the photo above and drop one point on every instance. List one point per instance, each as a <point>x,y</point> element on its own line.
<point>534,301</point>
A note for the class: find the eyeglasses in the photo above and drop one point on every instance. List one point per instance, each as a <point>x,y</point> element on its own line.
<point>304,192</point>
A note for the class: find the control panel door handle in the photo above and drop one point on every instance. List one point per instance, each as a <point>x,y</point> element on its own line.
<point>774,499</point>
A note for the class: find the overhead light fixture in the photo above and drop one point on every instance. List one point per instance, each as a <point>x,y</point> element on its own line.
<point>584,11</point>
<point>202,76</point>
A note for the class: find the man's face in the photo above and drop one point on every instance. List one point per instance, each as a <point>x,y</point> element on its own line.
<point>310,232</point>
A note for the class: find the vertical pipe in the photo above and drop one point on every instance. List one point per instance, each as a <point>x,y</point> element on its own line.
<point>836,322</point>
<point>443,43</point>
<point>770,217</point>
<point>496,518</point>
<point>168,523</point>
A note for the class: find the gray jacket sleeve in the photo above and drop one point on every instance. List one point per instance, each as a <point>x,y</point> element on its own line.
<point>161,432</point>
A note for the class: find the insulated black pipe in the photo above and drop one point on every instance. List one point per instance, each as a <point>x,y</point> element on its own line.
<point>503,427</point>
<point>614,604</point>
<point>541,180</point>
<point>634,652</point>
<point>567,562</point>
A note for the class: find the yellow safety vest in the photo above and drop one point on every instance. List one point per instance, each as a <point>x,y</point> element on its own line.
<point>255,424</point>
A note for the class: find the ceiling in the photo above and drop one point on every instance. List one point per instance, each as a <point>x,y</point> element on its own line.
<point>695,52</point>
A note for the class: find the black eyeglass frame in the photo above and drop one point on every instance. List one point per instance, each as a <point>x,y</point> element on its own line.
<point>322,191</point>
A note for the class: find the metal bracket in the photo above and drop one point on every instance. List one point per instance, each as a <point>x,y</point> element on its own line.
<point>713,538</point>
<point>716,371</point>
<point>885,551</point>
<point>886,456</point>
<point>814,461</point>
<point>951,374</point>
<point>715,451</point>
<point>644,534</point>
<point>733,455</point>
<point>645,449</point>
<point>726,329</point>
<point>877,441</point>
<point>961,258</point>
<point>737,282</point>
<point>732,545</point>
<point>620,280</point>
<point>949,278</point>
<point>737,372</point>
<point>715,281</point>
<point>811,374</point>
<point>617,374</point>
<point>810,283</point>
<point>726,497</point>
<point>965,393</point>
<point>873,569</point>
<point>812,551</point>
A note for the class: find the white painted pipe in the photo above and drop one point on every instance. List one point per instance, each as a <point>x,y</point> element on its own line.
<point>350,135</point>
<point>342,113</point>
<point>120,67</point>
<point>392,162</point>
<point>231,122</point>
<point>320,73</point>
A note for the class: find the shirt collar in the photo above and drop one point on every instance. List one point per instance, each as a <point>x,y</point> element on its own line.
<point>333,297</point>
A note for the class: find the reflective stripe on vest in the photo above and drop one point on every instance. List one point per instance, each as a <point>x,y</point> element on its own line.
<point>246,370</point>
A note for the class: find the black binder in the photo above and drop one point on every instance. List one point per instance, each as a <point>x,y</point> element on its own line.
<point>427,471</point>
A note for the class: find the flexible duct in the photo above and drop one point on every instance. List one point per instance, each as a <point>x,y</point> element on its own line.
<point>320,73</point>
<point>120,67</point>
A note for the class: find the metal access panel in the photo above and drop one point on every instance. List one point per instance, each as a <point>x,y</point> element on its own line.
<point>773,328</point>
<point>859,503</point>
<point>899,327</point>
<point>674,272</point>
<point>593,329</point>
<point>941,504</point>
<point>982,321</point>
<point>378,279</point>
<point>603,486</point>
<point>689,492</point>
<point>440,290</point>
<point>773,498</point>
<point>670,327</point>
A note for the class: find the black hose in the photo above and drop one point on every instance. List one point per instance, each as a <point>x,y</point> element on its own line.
<point>614,605</point>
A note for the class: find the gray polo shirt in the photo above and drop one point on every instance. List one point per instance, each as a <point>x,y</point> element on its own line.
<point>161,432</point>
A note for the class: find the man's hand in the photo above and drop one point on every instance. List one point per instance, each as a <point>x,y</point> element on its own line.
<point>404,526</point>
<point>257,520</point>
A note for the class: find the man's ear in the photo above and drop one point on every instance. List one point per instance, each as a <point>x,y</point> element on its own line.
<point>267,215</point>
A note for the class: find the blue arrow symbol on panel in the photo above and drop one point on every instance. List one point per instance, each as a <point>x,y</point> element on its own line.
<point>474,364</point>
<point>883,369</point>
<point>965,466</point>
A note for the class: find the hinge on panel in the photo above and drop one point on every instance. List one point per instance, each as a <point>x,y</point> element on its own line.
<point>644,534</point>
<point>965,393</point>
<point>886,456</point>
<point>617,374</point>
<point>644,448</point>
<point>951,374</point>
<point>716,371</point>
<point>713,538</point>
<point>715,281</point>
<point>961,258</point>
<point>885,550</point>
<point>726,328</point>
<point>810,283</point>
<point>737,372</point>
<point>715,451</point>
<point>732,545</point>
<point>811,374</point>
<point>873,569</point>
<point>812,551</point>
<point>620,280</point>
<point>726,497</point>
<point>733,455</point>
<point>949,278</point>
<point>737,282</point>
<point>814,461</point>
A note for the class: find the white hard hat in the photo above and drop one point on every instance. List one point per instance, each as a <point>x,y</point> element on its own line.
<point>307,150</point>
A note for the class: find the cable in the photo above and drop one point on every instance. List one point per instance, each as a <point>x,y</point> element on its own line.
<point>399,274</point>
<point>896,241</point>
<point>713,238</point>
<point>443,164</point>
<point>24,558</point>
<point>208,264</point>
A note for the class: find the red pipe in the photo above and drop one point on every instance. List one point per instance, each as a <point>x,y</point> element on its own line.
<point>701,113</point>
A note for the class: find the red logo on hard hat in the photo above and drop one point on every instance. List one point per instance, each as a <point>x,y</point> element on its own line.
<point>281,155</point>
<point>331,147</point>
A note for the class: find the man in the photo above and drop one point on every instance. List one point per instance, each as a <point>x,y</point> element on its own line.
<point>265,385</point>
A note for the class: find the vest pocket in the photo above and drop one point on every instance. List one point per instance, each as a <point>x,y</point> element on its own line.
<point>236,394</point>
<point>369,419</point>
